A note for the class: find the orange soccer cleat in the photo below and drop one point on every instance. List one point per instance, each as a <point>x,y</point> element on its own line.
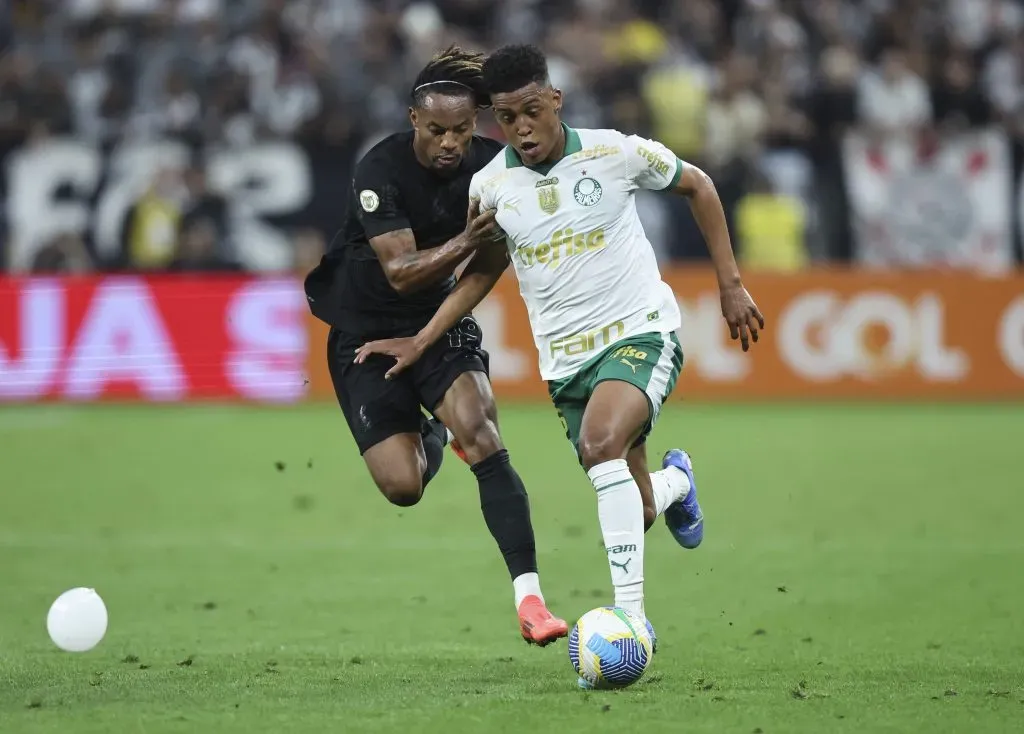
<point>538,625</point>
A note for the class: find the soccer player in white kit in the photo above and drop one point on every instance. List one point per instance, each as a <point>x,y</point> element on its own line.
<point>603,320</point>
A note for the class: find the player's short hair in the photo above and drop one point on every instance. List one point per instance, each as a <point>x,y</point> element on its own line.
<point>514,67</point>
<point>452,72</point>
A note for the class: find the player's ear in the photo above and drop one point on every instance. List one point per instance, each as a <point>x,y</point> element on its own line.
<point>412,116</point>
<point>556,100</point>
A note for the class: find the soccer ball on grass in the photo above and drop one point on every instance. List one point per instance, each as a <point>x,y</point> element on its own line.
<point>610,647</point>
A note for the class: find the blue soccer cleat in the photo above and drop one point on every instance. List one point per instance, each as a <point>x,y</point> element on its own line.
<point>654,637</point>
<point>684,519</point>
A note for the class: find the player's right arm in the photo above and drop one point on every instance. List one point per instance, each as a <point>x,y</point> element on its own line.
<point>476,281</point>
<point>408,269</point>
<point>383,217</point>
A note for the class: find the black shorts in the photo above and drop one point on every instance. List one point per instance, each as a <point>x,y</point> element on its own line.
<point>376,408</point>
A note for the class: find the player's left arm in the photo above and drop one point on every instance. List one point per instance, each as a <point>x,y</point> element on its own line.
<point>653,166</point>
<point>480,276</point>
<point>738,308</point>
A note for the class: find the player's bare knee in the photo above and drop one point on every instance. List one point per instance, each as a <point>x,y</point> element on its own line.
<point>402,496</point>
<point>403,492</point>
<point>599,448</point>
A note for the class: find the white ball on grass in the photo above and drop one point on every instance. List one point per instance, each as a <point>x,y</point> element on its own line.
<point>77,620</point>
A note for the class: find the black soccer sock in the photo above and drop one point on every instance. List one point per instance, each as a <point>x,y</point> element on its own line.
<point>434,436</point>
<point>506,509</point>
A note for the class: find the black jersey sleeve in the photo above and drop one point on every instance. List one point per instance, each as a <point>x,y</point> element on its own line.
<point>379,205</point>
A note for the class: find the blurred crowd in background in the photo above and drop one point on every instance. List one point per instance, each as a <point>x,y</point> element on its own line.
<point>758,92</point>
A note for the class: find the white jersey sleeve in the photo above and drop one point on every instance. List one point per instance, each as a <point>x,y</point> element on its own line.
<point>476,188</point>
<point>651,165</point>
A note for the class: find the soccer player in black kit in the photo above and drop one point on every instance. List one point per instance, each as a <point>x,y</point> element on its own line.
<point>408,226</point>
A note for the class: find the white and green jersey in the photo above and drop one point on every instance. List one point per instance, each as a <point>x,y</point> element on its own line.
<point>586,270</point>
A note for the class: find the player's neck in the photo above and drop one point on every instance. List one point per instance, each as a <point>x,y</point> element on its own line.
<point>558,149</point>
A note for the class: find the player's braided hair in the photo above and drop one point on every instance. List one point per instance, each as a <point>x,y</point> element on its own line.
<point>453,71</point>
<point>514,67</point>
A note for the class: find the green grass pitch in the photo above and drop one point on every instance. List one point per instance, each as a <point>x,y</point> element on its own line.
<point>862,571</point>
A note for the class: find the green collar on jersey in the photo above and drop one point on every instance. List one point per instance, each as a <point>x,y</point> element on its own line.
<point>572,145</point>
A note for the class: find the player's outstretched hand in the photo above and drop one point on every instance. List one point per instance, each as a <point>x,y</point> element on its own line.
<point>482,228</point>
<point>742,315</point>
<point>404,350</point>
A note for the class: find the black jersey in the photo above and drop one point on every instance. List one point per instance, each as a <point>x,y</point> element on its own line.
<point>391,191</point>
